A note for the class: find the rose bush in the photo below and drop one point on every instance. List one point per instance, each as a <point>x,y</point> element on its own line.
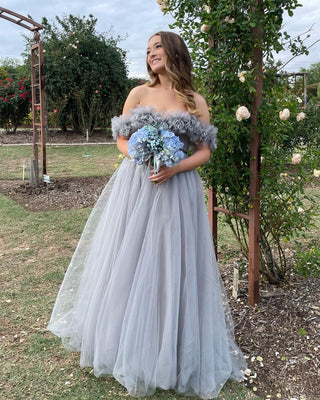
<point>15,102</point>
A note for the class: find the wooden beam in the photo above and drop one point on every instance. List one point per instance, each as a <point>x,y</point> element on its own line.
<point>20,20</point>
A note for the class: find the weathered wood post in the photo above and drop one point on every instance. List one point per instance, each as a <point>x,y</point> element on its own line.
<point>255,143</point>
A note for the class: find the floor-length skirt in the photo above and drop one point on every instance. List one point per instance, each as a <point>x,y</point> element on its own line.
<point>142,299</point>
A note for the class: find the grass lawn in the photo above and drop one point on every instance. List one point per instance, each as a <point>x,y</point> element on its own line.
<point>62,161</point>
<point>35,250</point>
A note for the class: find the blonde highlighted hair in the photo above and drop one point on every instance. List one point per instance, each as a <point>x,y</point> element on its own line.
<point>178,66</point>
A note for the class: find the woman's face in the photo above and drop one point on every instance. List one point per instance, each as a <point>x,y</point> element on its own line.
<point>156,56</point>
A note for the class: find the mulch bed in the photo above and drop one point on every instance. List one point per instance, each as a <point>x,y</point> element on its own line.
<point>280,336</point>
<point>62,193</point>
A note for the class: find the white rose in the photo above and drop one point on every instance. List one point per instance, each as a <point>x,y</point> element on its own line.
<point>229,20</point>
<point>296,158</point>
<point>316,173</point>
<point>301,116</point>
<point>242,113</point>
<point>284,114</point>
<point>241,76</point>
<point>163,8</point>
<point>299,100</point>
<point>204,28</point>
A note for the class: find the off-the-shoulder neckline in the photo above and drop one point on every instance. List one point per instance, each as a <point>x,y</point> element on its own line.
<point>164,114</point>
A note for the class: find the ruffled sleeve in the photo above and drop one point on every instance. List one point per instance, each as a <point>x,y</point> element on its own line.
<point>181,123</point>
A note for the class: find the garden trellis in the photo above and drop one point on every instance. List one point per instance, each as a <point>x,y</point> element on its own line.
<point>37,87</point>
<point>255,142</point>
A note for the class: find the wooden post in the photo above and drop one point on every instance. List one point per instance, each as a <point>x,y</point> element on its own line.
<point>34,27</point>
<point>38,106</point>
<point>304,88</point>
<point>255,142</point>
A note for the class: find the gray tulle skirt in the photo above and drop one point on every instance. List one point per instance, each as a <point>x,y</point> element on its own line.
<point>142,299</point>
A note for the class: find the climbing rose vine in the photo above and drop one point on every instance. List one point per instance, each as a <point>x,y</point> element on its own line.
<point>222,37</point>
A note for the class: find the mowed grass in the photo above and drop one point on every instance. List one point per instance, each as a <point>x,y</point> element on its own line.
<point>62,161</point>
<point>35,250</point>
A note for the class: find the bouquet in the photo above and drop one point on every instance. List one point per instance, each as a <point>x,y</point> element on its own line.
<point>157,144</point>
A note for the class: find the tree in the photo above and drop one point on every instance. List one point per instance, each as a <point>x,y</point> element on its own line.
<point>3,73</point>
<point>313,73</point>
<point>222,40</point>
<point>85,72</point>
<point>313,80</point>
<point>15,67</point>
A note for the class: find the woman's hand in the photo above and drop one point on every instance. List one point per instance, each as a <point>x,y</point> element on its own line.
<point>164,174</point>
<point>198,158</point>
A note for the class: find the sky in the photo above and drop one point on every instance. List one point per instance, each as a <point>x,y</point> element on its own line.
<point>136,21</point>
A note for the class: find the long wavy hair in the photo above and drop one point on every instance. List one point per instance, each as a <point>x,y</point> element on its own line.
<point>178,66</point>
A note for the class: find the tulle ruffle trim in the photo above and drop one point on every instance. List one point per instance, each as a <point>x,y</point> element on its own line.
<point>181,123</point>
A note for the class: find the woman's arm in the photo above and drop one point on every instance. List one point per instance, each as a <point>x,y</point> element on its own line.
<point>133,100</point>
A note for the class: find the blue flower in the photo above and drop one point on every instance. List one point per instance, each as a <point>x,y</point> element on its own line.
<point>155,142</point>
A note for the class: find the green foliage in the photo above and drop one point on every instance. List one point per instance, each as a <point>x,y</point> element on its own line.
<point>15,67</point>
<point>308,260</point>
<point>3,73</point>
<point>313,73</point>
<point>222,37</point>
<point>85,73</point>
<point>307,131</point>
<point>15,102</point>
<point>133,82</point>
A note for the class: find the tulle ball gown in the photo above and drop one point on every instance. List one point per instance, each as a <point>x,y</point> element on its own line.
<point>142,299</point>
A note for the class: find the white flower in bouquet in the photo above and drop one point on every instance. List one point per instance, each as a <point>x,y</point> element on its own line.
<point>284,114</point>
<point>301,116</point>
<point>242,113</point>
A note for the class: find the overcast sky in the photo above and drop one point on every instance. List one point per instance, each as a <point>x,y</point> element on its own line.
<point>139,19</point>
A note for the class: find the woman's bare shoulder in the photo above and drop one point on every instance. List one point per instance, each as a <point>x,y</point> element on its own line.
<point>134,98</point>
<point>202,107</point>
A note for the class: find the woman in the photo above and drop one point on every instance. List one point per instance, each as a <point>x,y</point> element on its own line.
<point>142,299</point>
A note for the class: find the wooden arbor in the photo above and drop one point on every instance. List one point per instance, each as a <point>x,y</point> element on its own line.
<point>37,87</point>
<point>255,143</point>
<point>296,85</point>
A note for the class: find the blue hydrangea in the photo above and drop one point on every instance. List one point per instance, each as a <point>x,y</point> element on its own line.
<point>155,142</point>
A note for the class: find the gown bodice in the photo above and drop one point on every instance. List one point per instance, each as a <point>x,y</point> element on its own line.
<point>189,128</point>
